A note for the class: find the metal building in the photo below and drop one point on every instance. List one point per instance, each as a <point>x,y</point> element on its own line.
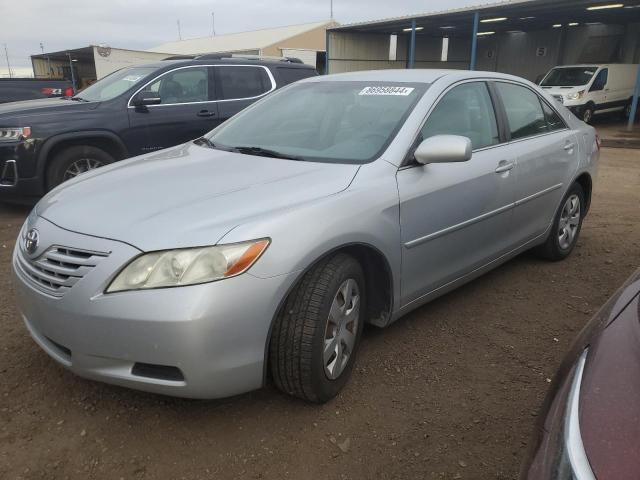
<point>521,37</point>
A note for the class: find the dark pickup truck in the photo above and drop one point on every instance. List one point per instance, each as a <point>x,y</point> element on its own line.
<point>17,89</point>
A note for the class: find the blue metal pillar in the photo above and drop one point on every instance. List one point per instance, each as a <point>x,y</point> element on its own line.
<point>634,102</point>
<point>326,56</point>
<point>412,45</point>
<point>474,41</point>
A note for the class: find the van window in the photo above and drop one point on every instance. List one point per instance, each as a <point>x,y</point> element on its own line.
<point>568,77</point>
<point>601,80</point>
<point>524,112</point>
<point>465,110</point>
<point>238,82</point>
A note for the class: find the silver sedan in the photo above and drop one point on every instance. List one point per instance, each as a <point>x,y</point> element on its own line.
<point>258,252</point>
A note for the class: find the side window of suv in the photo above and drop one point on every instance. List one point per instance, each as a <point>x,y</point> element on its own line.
<point>465,110</point>
<point>242,81</point>
<point>524,111</point>
<point>184,85</point>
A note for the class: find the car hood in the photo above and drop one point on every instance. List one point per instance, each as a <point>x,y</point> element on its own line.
<point>187,195</point>
<point>563,90</point>
<point>44,105</point>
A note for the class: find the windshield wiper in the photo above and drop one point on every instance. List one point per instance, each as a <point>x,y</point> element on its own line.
<point>79,99</point>
<point>204,141</point>
<point>265,152</point>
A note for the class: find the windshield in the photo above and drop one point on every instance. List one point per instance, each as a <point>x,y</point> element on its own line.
<point>341,122</point>
<point>568,77</point>
<point>113,85</point>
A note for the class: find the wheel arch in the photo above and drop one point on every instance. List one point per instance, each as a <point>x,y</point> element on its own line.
<point>103,139</point>
<point>585,181</point>
<point>378,277</point>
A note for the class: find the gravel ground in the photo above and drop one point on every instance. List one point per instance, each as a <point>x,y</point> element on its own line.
<point>450,391</point>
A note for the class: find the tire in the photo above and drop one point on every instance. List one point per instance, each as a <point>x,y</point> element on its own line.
<point>74,159</point>
<point>555,248</point>
<point>587,114</point>
<point>299,336</point>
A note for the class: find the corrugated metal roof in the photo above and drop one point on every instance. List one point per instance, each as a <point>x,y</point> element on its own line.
<point>238,41</point>
<point>471,8</point>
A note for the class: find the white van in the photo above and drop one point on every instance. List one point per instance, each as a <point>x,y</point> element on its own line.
<point>588,90</point>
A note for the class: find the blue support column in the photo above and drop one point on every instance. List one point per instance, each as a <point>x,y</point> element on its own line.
<point>326,56</point>
<point>412,44</point>
<point>634,102</point>
<point>474,41</point>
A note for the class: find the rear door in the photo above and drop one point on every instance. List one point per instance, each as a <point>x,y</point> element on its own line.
<point>238,86</point>
<point>456,217</point>
<point>546,153</point>
<point>187,110</point>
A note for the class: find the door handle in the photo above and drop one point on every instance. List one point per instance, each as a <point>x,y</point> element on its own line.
<point>504,166</point>
<point>569,146</point>
<point>206,113</point>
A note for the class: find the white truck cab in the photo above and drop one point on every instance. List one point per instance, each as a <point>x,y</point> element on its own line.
<point>588,90</point>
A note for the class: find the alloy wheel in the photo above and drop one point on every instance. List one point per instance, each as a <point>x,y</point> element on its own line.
<point>81,166</point>
<point>569,222</point>
<point>342,328</point>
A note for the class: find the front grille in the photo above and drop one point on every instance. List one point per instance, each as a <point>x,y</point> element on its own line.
<point>58,269</point>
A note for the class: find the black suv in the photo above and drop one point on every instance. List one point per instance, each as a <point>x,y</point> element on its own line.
<point>133,111</point>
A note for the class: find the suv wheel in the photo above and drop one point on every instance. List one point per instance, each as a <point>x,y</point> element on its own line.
<point>74,161</point>
<point>566,226</point>
<point>316,335</point>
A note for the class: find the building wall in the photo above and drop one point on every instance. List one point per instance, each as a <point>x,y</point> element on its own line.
<point>312,40</point>
<point>350,52</point>
<point>114,59</point>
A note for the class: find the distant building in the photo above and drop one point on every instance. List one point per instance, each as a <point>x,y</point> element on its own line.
<point>306,42</point>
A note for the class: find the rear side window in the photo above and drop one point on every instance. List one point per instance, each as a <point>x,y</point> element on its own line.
<point>524,111</point>
<point>290,75</point>
<point>465,110</point>
<point>238,82</point>
<point>184,85</point>
<point>554,122</point>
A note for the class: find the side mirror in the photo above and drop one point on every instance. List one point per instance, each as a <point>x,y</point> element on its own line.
<point>443,149</point>
<point>143,99</point>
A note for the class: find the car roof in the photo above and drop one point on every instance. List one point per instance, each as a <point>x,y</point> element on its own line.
<point>224,61</point>
<point>412,75</point>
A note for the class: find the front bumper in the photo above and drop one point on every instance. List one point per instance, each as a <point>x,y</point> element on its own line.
<point>214,335</point>
<point>18,182</point>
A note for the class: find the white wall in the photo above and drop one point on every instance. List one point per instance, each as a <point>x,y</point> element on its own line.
<point>117,59</point>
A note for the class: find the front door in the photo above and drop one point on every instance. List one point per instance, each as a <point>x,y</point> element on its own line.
<point>598,90</point>
<point>455,217</point>
<point>187,110</point>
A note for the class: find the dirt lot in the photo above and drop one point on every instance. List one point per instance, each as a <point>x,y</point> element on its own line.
<point>450,391</point>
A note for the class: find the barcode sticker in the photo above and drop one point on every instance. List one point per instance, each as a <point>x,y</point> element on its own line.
<point>401,91</point>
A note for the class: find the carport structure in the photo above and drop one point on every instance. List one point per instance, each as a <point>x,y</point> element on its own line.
<point>521,37</point>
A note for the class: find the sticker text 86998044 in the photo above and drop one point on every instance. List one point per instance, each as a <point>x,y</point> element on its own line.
<point>402,91</point>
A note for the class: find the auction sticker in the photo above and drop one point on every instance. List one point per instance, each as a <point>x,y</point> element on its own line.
<point>401,91</point>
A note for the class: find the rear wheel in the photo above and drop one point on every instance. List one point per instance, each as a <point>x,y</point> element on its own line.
<point>566,226</point>
<point>316,335</point>
<point>74,161</point>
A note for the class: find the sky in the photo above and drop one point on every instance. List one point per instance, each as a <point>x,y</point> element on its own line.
<point>143,24</point>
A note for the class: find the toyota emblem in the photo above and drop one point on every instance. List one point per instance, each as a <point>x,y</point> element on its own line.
<point>31,240</point>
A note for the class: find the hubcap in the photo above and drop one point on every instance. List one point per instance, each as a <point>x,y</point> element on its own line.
<point>569,222</point>
<point>81,166</point>
<point>587,116</point>
<point>342,328</point>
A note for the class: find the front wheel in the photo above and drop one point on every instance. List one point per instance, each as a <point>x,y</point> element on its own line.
<point>587,114</point>
<point>566,226</point>
<point>316,335</point>
<point>74,161</point>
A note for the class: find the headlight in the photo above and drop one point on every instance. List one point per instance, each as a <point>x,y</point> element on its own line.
<point>189,266</point>
<point>12,134</point>
<point>575,95</point>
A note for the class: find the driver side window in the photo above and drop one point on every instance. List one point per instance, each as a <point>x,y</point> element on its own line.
<point>601,80</point>
<point>465,110</point>
<point>185,85</point>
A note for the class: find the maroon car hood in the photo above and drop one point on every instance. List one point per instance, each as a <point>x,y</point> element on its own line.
<point>610,397</point>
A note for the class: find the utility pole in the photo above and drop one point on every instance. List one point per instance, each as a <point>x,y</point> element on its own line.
<point>179,32</point>
<point>73,75</point>
<point>6,54</point>
<point>213,24</point>
<point>331,17</point>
